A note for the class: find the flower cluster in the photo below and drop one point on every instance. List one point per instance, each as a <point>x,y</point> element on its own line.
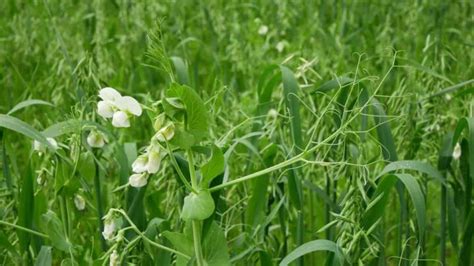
<point>149,162</point>
<point>119,108</point>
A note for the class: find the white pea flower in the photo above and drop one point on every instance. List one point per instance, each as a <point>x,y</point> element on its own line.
<point>166,133</point>
<point>448,97</point>
<point>109,229</point>
<point>114,259</point>
<point>280,46</point>
<point>457,152</point>
<point>263,30</point>
<point>138,180</point>
<point>79,202</point>
<point>41,148</point>
<point>117,107</point>
<point>149,162</point>
<point>96,139</point>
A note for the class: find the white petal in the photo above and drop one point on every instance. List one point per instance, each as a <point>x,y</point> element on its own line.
<point>159,121</point>
<point>280,46</point>
<point>38,146</point>
<point>130,105</point>
<point>105,109</point>
<point>109,230</point>
<point>109,94</point>
<point>263,30</point>
<point>154,161</point>
<point>95,139</point>
<point>114,259</point>
<point>120,119</point>
<point>79,202</point>
<point>53,143</point>
<point>457,152</point>
<point>137,180</point>
<point>139,165</point>
<point>166,133</point>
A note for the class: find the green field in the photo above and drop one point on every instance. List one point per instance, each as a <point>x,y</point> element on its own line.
<point>236,133</point>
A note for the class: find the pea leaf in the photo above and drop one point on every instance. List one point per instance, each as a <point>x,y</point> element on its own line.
<point>198,206</point>
<point>196,112</point>
<point>44,257</point>
<point>54,228</point>
<point>213,167</point>
<point>181,69</point>
<point>215,249</point>
<point>181,242</point>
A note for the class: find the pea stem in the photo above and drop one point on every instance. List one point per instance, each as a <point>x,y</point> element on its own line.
<point>196,224</point>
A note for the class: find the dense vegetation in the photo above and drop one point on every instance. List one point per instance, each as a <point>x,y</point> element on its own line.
<point>230,132</point>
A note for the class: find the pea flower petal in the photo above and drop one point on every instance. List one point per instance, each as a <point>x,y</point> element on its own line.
<point>109,94</point>
<point>457,152</point>
<point>140,164</point>
<point>154,162</point>
<point>105,109</point>
<point>166,133</point>
<point>109,229</point>
<point>120,119</point>
<point>114,259</point>
<point>79,202</point>
<point>130,105</point>
<point>137,180</point>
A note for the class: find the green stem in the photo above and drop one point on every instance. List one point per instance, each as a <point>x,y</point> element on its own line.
<point>144,237</point>
<point>192,171</point>
<point>24,229</point>
<point>197,242</point>
<point>196,224</point>
<point>178,169</point>
<point>270,169</point>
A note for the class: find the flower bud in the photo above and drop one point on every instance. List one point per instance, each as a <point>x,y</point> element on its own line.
<point>166,133</point>
<point>95,139</point>
<point>109,229</point>
<point>41,148</point>
<point>263,30</point>
<point>114,259</point>
<point>457,152</point>
<point>79,202</point>
<point>272,113</point>
<point>159,121</point>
